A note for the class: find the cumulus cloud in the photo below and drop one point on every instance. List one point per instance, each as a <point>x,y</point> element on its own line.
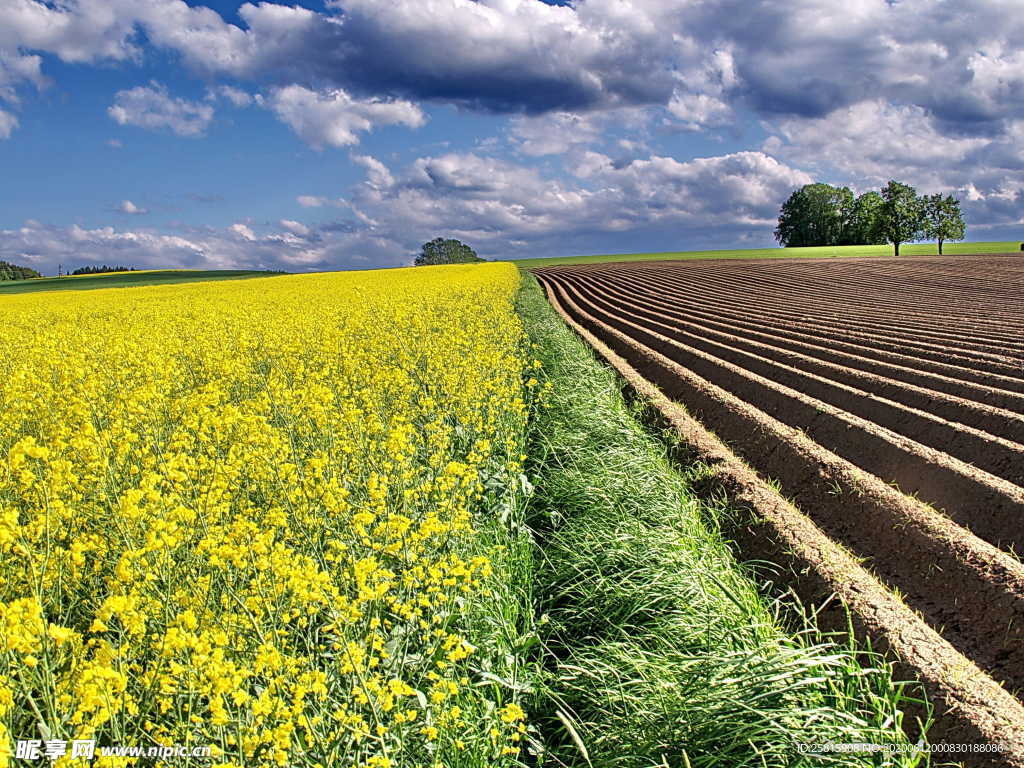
<point>318,201</point>
<point>75,31</point>
<point>332,118</point>
<point>701,99</point>
<point>234,96</point>
<point>16,69</point>
<point>296,228</point>
<point>795,58</point>
<point>8,123</point>
<point>237,247</point>
<point>502,55</point>
<point>127,206</point>
<point>242,231</point>
<point>698,61</point>
<point>555,133</point>
<point>507,55</point>
<point>377,174</point>
<point>154,108</point>
<point>873,141</point>
<point>503,206</point>
<point>805,59</point>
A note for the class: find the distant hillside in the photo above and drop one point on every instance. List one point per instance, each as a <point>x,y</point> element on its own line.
<point>129,279</point>
<point>10,271</point>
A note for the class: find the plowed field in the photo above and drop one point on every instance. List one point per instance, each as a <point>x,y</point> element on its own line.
<point>883,397</point>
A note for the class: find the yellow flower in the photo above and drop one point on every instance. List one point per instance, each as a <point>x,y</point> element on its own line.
<point>511,713</point>
<point>244,513</point>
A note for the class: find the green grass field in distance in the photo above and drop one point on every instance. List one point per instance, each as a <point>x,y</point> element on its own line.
<point>913,249</point>
<point>127,279</point>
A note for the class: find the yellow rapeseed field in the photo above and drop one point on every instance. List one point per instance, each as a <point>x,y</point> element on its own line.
<point>246,515</point>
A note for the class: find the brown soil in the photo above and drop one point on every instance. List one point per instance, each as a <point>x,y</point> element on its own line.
<point>991,387</point>
<point>992,507</point>
<point>816,358</point>
<point>855,391</point>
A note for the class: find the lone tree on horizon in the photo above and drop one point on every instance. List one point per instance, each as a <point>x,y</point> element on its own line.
<point>445,251</point>
<point>902,214</point>
<point>942,219</point>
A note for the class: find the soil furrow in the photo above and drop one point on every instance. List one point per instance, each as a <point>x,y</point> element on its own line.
<point>989,506</point>
<point>838,314</point>
<point>995,421</point>
<point>845,289</point>
<point>1000,457</point>
<point>812,290</point>
<point>960,382</point>
<point>1004,360</point>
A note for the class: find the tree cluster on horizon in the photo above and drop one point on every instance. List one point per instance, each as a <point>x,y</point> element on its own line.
<point>98,270</point>
<point>445,251</point>
<point>820,214</point>
<point>10,271</point>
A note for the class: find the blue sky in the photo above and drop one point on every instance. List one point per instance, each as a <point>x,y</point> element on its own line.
<point>343,134</point>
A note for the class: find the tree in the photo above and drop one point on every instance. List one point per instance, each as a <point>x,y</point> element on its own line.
<point>442,251</point>
<point>101,270</point>
<point>816,214</point>
<point>902,214</point>
<point>14,272</point>
<point>866,225</point>
<point>942,219</point>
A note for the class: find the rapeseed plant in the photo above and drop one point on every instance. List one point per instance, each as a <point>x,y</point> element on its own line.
<point>244,515</point>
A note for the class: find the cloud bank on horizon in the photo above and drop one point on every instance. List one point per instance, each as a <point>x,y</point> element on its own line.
<point>344,133</point>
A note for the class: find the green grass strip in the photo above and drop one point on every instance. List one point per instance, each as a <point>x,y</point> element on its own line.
<point>659,648</point>
<point>128,279</point>
<point>815,252</point>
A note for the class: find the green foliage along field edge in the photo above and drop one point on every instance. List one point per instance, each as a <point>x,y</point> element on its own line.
<point>658,647</point>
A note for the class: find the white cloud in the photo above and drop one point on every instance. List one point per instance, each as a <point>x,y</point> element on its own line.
<point>797,58</point>
<point>333,118</point>
<point>16,69</point>
<point>554,133</point>
<point>78,31</point>
<point>872,139</point>
<point>242,231</point>
<point>868,143</point>
<point>237,247</point>
<point>235,96</point>
<point>8,123</point>
<point>152,107</point>
<point>127,206</point>
<point>377,174</point>
<point>701,99</point>
<point>495,203</point>
<point>296,228</point>
<point>698,111</point>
